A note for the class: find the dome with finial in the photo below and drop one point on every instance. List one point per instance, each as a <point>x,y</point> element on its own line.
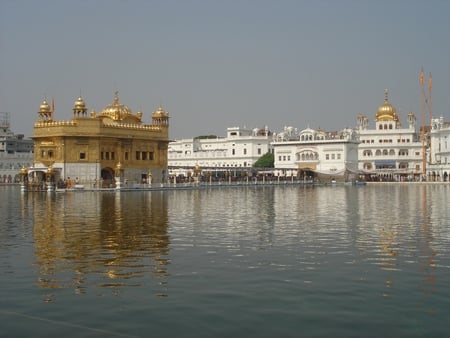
<point>160,112</point>
<point>79,104</point>
<point>116,110</point>
<point>44,108</point>
<point>386,112</point>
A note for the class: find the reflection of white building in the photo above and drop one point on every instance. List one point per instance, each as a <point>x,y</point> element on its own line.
<point>241,148</point>
<point>390,152</point>
<point>438,166</point>
<point>317,152</point>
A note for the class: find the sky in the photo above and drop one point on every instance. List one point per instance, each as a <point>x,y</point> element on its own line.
<point>214,64</point>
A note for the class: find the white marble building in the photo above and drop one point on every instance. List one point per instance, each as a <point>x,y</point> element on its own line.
<point>240,149</point>
<point>16,151</point>
<point>389,152</point>
<point>324,155</point>
<point>438,164</point>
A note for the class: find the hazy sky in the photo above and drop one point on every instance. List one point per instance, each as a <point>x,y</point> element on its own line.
<point>216,64</point>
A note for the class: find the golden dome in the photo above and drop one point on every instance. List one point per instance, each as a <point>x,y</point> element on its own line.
<point>386,112</point>
<point>79,104</point>
<point>44,108</point>
<point>160,112</point>
<point>116,110</point>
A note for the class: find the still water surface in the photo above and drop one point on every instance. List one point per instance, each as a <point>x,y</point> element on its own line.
<point>289,261</point>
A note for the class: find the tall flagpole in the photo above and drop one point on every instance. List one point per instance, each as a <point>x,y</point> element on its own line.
<point>53,107</point>
<point>430,110</point>
<point>422,128</point>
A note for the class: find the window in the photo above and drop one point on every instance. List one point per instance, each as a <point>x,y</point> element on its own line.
<point>82,156</point>
<point>107,155</point>
<point>327,156</point>
<point>138,155</point>
<point>126,156</point>
<point>150,155</point>
<point>245,151</point>
<point>259,151</point>
<point>144,156</point>
<point>112,155</point>
<point>332,156</point>
<point>338,156</point>
<point>233,151</point>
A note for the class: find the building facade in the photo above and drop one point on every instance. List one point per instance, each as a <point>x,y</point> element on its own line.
<point>239,150</point>
<point>438,158</point>
<point>100,148</point>
<point>389,152</point>
<point>16,151</point>
<point>316,154</point>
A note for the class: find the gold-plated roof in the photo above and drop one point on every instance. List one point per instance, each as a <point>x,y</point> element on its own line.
<point>44,108</point>
<point>116,110</point>
<point>386,112</point>
<point>79,104</point>
<point>160,112</point>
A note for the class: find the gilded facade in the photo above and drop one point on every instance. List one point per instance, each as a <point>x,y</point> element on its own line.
<point>100,149</point>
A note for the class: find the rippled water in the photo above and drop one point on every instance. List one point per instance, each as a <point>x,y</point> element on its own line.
<point>278,261</point>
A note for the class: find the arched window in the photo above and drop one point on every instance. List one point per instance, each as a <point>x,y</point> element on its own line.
<point>385,152</point>
<point>378,152</point>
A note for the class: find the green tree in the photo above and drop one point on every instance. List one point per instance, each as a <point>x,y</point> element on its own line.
<point>265,161</point>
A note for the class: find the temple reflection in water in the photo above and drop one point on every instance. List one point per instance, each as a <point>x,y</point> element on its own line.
<point>107,238</point>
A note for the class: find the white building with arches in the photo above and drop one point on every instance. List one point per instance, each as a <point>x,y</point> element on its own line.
<point>438,158</point>
<point>239,150</point>
<point>316,153</point>
<point>390,152</point>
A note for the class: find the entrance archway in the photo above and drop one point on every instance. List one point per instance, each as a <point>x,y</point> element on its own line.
<point>107,177</point>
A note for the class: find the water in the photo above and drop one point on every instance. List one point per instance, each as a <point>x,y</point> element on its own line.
<point>335,261</point>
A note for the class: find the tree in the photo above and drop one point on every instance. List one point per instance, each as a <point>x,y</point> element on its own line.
<point>265,161</point>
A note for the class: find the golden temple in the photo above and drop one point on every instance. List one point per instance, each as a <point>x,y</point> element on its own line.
<point>100,149</point>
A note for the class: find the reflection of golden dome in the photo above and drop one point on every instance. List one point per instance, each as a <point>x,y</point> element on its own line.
<point>386,112</point>
<point>116,110</point>
<point>79,104</point>
<point>44,108</point>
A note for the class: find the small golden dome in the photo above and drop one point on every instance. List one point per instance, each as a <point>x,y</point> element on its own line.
<point>44,108</point>
<point>24,171</point>
<point>79,104</point>
<point>160,112</point>
<point>386,112</point>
